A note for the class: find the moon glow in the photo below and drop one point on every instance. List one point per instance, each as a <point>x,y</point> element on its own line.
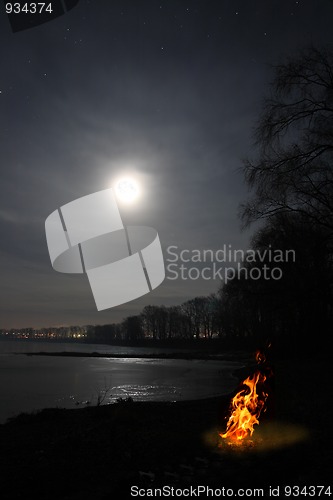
<point>127,189</point>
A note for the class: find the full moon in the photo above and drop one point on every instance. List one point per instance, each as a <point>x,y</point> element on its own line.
<point>127,189</point>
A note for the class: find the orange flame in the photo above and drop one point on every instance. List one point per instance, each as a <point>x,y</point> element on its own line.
<point>246,406</point>
<point>260,357</point>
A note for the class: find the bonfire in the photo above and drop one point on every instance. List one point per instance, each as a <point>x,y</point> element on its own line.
<point>247,405</point>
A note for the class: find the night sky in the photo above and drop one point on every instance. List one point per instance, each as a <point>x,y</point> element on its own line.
<point>167,90</point>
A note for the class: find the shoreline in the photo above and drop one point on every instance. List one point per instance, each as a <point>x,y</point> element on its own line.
<point>98,452</point>
<point>232,367</point>
<point>174,355</point>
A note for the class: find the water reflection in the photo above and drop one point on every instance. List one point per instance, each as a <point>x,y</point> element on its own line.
<point>29,383</point>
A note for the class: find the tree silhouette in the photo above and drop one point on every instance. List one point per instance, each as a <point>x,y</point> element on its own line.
<point>293,171</point>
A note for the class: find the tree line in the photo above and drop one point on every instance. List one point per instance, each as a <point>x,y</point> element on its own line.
<point>197,318</point>
<point>291,181</point>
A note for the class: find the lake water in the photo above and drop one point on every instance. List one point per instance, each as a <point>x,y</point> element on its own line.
<point>29,383</point>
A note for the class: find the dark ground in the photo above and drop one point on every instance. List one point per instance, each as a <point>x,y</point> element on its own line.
<point>99,453</point>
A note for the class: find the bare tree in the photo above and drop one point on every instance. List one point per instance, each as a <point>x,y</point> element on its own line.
<point>149,317</point>
<point>294,169</point>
